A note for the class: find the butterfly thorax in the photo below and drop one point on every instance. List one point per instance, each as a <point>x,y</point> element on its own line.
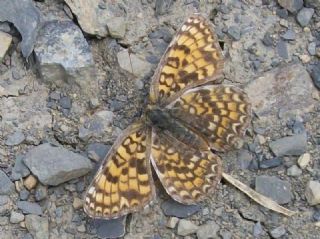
<point>164,122</point>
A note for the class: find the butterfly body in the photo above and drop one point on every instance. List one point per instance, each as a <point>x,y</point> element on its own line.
<point>185,119</point>
<point>162,120</point>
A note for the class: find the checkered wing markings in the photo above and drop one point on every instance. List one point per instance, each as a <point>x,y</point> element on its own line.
<point>186,174</point>
<point>123,184</point>
<point>194,57</point>
<point>218,113</point>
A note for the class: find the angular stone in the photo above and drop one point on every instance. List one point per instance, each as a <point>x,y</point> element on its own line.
<point>275,188</point>
<point>27,21</point>
<point>7,187</point>
<point>304,16</point>
<point>94,15</point>
<point>175,209</point>
<point>278,232</point>
<point>315,75</point>
<point>29,207</point>
<point>113,228</point>
<point>313,193</point>
<point>186,227</point>
<point>291,5</point>
<point>16,217</point>
<point>30,182</point>
<point>19,170</point>
<point>41,192</point>
<point>5,40</point>
<point>56,165</point>
<point>38,226</point>
<point>64,56</point>
<point>304,160</point>
<point>208,230</point>
<point>117,27</point>
<point>291,145</point>
<point>289,88</point>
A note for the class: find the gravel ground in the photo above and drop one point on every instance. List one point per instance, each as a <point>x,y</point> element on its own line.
<point>73,75</point>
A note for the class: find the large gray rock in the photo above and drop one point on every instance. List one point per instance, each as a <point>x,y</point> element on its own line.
<point>7,187</point>
<point>291,145</point>
<point>55,165</point>
<point>287,88</point>
<point>93,16</point>
<point>275,188</point>
<point>25,17</point>
<point>291,5</point>
<point>37,226</point>
<point>304,16</point>
<point>64,56</point>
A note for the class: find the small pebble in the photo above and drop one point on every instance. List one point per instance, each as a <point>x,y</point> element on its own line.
<point>304,16</point>
<point>30,182</point>
<point>77,203</point>
<point>304,160</point>
<point>294,171</point>
<point>172,222</point>
<point>186,227</point>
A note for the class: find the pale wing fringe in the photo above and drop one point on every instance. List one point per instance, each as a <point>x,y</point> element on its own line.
<point>257,197</point>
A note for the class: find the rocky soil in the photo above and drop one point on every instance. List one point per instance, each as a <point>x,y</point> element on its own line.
<point>74,74</point>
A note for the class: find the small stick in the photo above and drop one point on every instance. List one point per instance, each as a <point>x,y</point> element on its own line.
<point>257,197</point>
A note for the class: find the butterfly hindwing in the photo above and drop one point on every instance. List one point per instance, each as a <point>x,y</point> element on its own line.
<point>218,113</point>
<point>194,57</point>
<point>188,175</point>
<point>123,183</point>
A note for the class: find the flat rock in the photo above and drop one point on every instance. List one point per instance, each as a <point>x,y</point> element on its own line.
<point>19,170</point>
<point>186,227</point>
<point>208,230</point>
<point>29,207</point>
<point>315,75</point>
<point>7,187</point>
<point>304,16</point>
<point>313,193</point>
<point>56,165</point>
<point>64,56</point>
<point>113,228</point>
<point>291,5</point>
<point>27,21</point>
<point>176,209</point>
<point>15,139</point>
<point>5,40</point>
<point>93,16</point>
<point>289,88</point>
<point>37,226</point>
<point>275,188</point>
<point>96,125</point>
<point>294,171</point>
<point>133,63</point>
<point>291,145</point>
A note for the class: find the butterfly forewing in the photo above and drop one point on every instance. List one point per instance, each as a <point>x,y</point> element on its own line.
<point>123,183</point>
<point>218,113</point>
<point>194,57</point>
<point>188,175</point>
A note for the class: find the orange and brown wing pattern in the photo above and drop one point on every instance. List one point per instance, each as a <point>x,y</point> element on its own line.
<point>194,57</point>
<point>188,175</point>
<point>219,113</point>
<point>123,183</point>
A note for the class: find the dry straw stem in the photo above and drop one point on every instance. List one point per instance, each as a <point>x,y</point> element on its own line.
<point>259,198</point>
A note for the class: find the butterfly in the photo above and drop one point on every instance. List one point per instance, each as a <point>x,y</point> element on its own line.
<point>185,121</point>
